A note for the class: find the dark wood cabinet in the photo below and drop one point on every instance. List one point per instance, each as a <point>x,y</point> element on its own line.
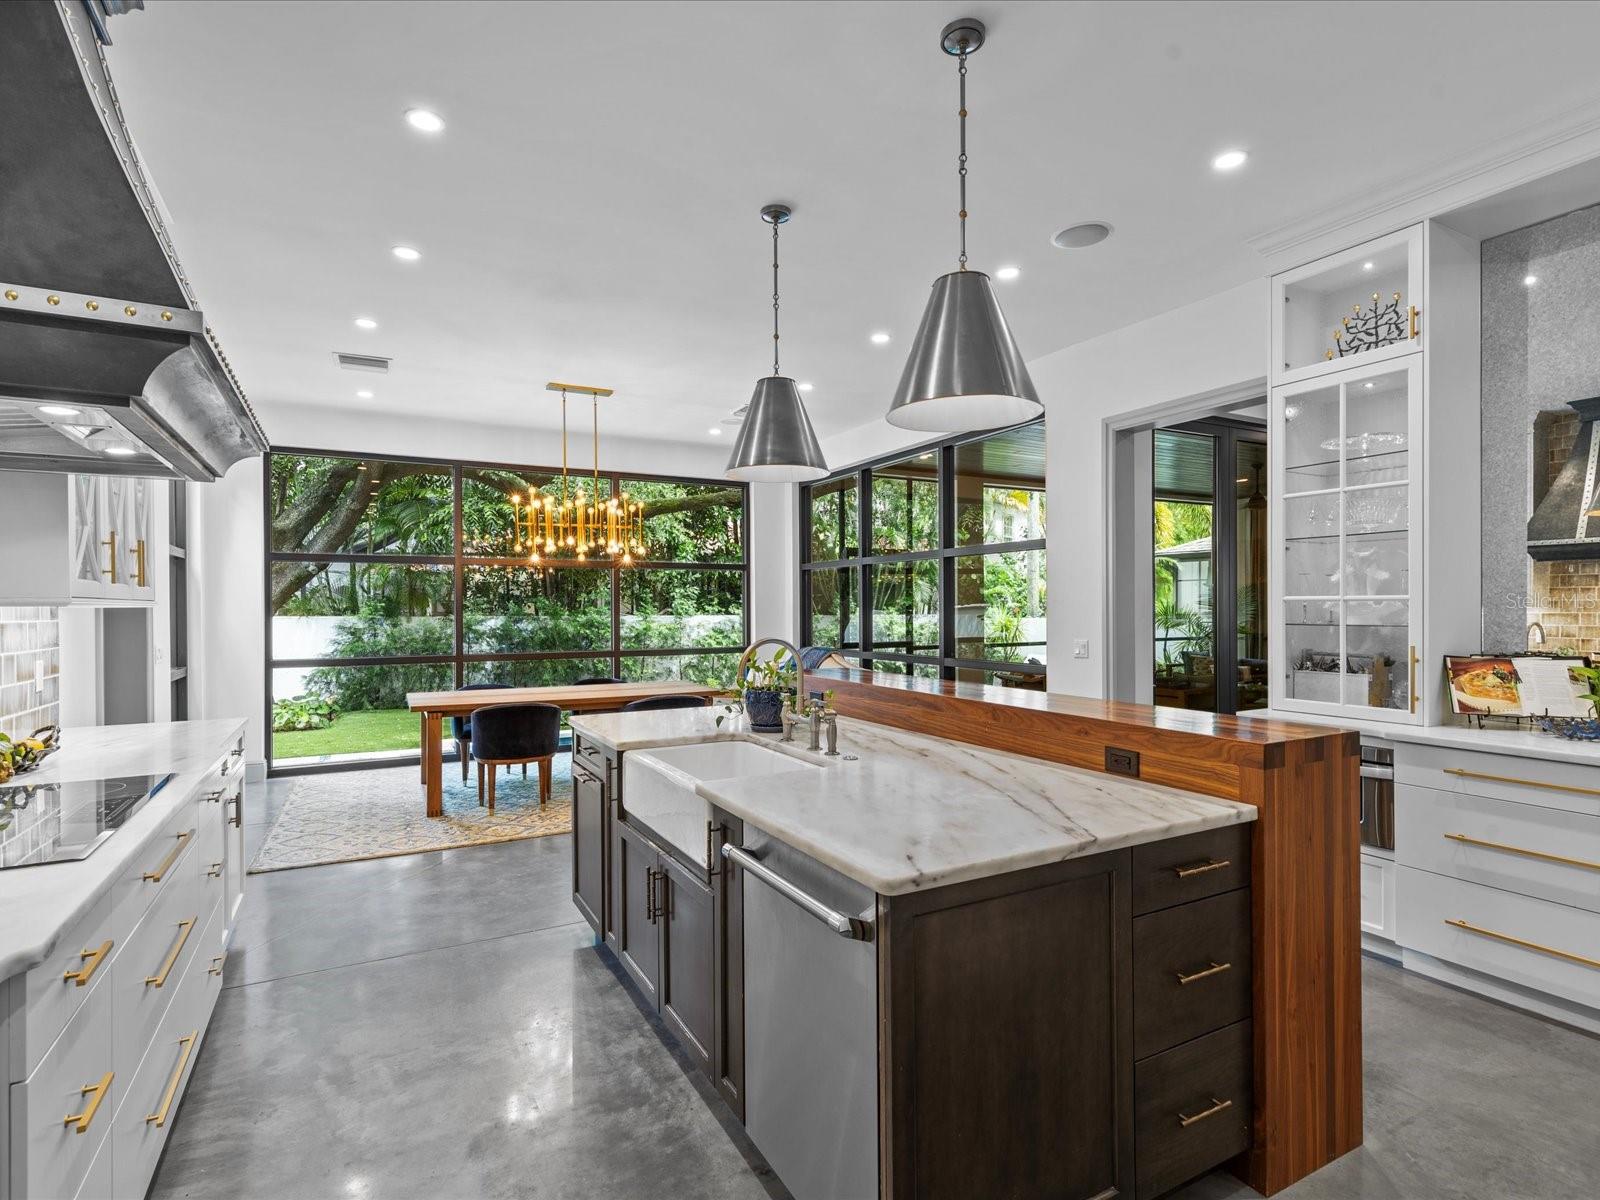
<point>634,868</point>
<point>684,917</point>
<point>589,821</point>
<point>1192,1108</point>
<point>727,965</point>
<point>1191,970</point>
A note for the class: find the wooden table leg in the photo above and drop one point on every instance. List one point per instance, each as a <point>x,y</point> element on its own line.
<point>422,747</point>
<point>433,769</point>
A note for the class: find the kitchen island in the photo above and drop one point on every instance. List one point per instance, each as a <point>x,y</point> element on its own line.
<point>110,965</point>
<point>937,969</point>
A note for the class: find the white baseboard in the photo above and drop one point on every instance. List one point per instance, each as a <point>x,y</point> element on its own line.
<point>1552,1007</point>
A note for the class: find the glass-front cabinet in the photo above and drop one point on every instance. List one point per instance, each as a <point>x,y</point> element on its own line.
<point>1346,486</point>
<point>1356,307</point>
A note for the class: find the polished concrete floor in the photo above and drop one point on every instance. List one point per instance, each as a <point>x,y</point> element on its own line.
<point>440,1026</point>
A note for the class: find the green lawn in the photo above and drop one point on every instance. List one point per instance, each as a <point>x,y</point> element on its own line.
<point>352,733</point>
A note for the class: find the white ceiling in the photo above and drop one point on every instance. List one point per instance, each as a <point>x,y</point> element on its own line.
<point>591,212</point>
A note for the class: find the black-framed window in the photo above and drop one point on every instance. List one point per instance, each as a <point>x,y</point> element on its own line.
<point>932,562</point>
<point>388,574</point>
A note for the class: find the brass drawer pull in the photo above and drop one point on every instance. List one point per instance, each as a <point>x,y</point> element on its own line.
<point>216,965</point>
<point>160,978</point>
<point>159,1117</point>
<point>214,871</point>
<point>112,543</point>
<point>1565,955</point>
<point>1539,854</point>
<point>98,1091</point>
<point>1215,968</point>
<point>1414,312</point>
<point>160,872</point>
<point>1204,868</point>
<point>1216,1107</point>
<point>91,960</point>
<point>1459,773</point>
<point>213,797</point>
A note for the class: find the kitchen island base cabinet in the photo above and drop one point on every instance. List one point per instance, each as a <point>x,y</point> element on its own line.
<point>588,844</point>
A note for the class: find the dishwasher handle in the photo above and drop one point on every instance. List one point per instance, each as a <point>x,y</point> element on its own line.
<point>1371,770</point>
<point>852,928</point>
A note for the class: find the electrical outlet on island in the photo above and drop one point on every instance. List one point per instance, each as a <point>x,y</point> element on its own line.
<point>1122,762</point>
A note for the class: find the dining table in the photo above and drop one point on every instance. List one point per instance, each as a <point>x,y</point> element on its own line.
<point>434,707</point>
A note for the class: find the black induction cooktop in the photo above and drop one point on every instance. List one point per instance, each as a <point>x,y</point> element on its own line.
<point>64,822</point>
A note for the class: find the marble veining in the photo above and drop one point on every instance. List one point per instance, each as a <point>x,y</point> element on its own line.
<point>1520,742</point>
<point>39,904</point>
<point>915,812</point>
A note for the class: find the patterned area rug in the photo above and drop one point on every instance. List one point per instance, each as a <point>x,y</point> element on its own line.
<point>350,815</point>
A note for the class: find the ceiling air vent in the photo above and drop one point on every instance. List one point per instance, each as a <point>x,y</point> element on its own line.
<point>363,362</point>
<point>737,416</point>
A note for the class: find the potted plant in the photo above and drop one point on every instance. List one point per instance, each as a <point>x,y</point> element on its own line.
<point>766,683</point>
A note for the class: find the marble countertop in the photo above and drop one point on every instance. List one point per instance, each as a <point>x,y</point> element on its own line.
<point>914,812</point>
<point>1521,742</point>
<point>41,903</point>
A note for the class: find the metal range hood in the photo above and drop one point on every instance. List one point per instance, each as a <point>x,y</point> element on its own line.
<point>106,364</point>
<point>1567,522</point>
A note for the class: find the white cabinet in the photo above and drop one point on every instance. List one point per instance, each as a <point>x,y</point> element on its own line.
<point>1373,448</point>
<point>83,538</point>
<point>1377,902</point>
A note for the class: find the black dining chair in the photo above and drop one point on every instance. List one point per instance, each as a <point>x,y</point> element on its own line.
<point>509,734</point>
<point>461,727</point>
<point>649,703</point>
<point>595,679</point>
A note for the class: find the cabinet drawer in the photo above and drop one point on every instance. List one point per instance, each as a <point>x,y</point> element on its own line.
<point>1550,853</point>
<point>50,1156</point>
<point>152,869</point>
<point>1572,786</point>
<point>1192,1108</point>
<point>55,989</point>
<point>152,963</point>
<point>591,756</point>
<point>1377,896</point>
<point>1178,870</point>
<point>98,1184</point>
<point>1191,971</point>
<point>1553,948</point>
<point>150,1103</point>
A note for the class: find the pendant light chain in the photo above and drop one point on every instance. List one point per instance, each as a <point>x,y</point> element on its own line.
<point>775,225</point>
<point>963,159</point>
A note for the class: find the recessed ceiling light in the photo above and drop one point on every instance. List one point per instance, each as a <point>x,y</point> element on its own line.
<point>407,253</point>
<point>366,323</point>
<point>120,451</point>
<point>1085,233</point>
<point>806,387</point>
<point>57,410</point>
<point>1366,266</point>
<point>1529,280</point>
<point>1008,273</point>
<point>363,395</point>
<point>1229,160</point>
<point>425,120</point>
<point>1369,386</point>
<point>880,338</point>
<point>714,432</point>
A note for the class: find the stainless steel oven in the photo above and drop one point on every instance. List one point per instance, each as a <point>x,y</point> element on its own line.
<point>1377,797</point>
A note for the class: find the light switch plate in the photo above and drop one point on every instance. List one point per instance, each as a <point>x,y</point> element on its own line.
<point>1080,647</point>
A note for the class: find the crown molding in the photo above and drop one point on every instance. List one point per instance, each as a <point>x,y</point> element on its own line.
<point>1570,138</point>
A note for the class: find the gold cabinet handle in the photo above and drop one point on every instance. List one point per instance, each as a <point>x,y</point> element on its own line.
<point>1565,955</point>
<point>1415,313</point>
<point>98,1091</point>
<point>214,871</point>
<point>1413,651</point>
<point>1216,1107</point>
<point>90,960</point>
<point>160,872</point>
<point>1459,773</point>
<point>111,544</point>
<point>1541,855</point>
<point>140,576</point>
<point>216,965</point>
<point>160,978</point>
<point>1205,868</point>
<point>1215,968</point>
<point>159,1117</point>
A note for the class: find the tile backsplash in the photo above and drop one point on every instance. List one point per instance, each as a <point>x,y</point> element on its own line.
<point>1566,601</point>
<point>30,669</point>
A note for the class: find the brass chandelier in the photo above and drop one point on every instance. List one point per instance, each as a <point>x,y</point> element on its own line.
<point>565,521</point>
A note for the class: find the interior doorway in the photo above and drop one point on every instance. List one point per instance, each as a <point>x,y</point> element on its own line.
<point>1208,566</point>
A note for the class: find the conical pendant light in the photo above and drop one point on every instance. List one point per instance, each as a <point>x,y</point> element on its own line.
<point>776,443</point>
<point>965,372</point>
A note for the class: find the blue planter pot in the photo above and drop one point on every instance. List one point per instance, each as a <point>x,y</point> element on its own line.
<point>764,707</point>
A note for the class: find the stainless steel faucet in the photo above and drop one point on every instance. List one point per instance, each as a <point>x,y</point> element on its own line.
<point>830,722</point>
<point>814,715</point>
<point>799,666</point>
<point>1532,642</point>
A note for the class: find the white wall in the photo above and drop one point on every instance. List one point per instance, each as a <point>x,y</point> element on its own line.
<point>227,672</point>
<point>1212,346</point>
